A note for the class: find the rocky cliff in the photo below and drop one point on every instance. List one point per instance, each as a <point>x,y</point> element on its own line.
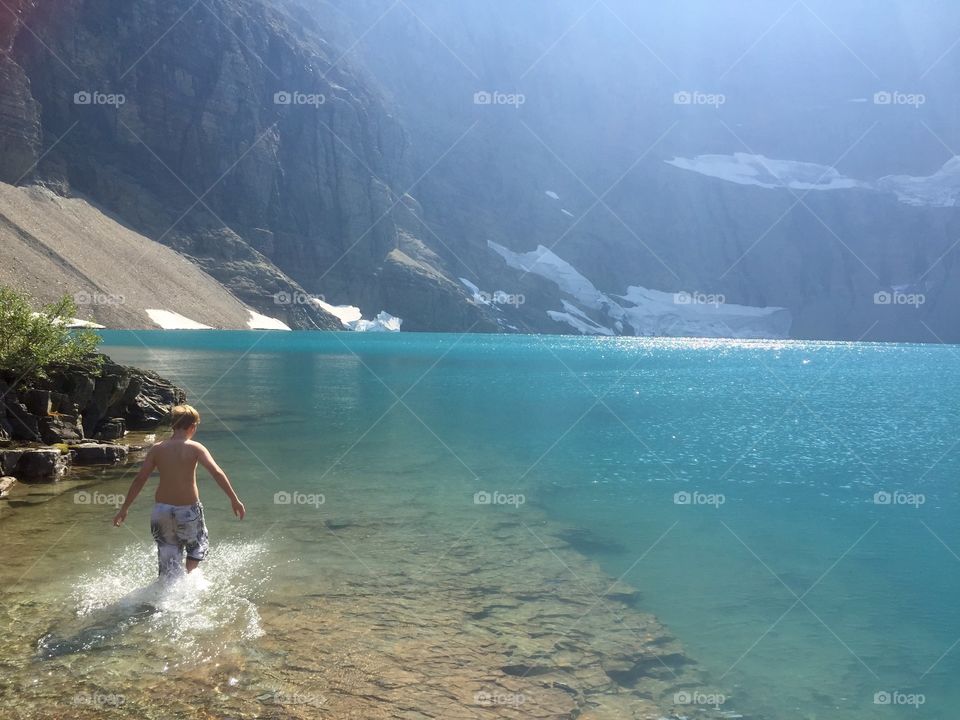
<point>370,152</point>
<point>231,134</point>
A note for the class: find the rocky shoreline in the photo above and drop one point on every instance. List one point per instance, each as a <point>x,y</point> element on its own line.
<point>77,417</point>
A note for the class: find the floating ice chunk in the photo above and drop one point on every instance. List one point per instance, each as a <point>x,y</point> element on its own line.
<point>173,321</point>
<point>262,322</point>
<point>384,322</point>
<point>552,195</point>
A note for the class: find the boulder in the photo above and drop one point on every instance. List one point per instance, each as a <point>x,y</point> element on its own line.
<point>6,482</point>
<point>60,428</point>
<point>23,425</point>
<point>111,429</point>
<point>9,460</point>
<point>40,465</point>
<point>97,454</point>
<point>36,401</point>
<point>150,406</point>
<point>108,392</point>
<point>78,386</point>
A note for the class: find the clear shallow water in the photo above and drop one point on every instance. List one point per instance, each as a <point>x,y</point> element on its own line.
<point>798,594</point>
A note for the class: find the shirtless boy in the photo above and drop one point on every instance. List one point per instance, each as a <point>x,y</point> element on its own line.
<point>177,521</point>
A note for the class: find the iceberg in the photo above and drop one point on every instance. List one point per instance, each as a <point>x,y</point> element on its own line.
<point>384,322</point>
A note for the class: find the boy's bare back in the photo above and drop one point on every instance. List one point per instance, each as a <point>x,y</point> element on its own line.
<point>176,459</point>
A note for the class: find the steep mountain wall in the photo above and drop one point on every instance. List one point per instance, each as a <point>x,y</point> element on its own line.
<point>225,131</point>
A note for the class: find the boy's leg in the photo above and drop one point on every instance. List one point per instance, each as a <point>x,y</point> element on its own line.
<point>192,532</point>
<point>164,530</point>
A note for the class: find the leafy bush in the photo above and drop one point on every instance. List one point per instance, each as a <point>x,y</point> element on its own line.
<point>33,343</point>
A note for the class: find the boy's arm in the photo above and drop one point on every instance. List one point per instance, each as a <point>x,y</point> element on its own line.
<point>149,464</point>
<point>217,473</point>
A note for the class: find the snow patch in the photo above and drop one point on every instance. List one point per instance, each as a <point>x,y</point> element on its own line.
<point>578,320</point>
<point>647,312</point>
<point>545,263</point>
<point>653,312</point>
<point>72,323</point>
<point>941,189</point>
<point>174,321</point>
<point>474,290</point>
<point>747,169</point>
<point>262,322</point>
<point>347,314</point>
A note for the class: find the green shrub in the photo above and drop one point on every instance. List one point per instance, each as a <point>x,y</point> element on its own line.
<point>33,343</point>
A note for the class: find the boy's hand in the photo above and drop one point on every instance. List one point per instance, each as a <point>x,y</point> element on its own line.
<point>238,509</point>
<point>120,517</point>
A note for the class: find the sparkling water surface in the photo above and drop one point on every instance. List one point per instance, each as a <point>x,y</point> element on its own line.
<point>788,510</point>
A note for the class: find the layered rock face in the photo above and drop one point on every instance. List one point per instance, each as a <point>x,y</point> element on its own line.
<point>570,120</point>
<point>230,134</point>
<point>370,151</point>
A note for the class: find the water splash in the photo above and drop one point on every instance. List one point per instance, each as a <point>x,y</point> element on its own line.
<point>125,606</point>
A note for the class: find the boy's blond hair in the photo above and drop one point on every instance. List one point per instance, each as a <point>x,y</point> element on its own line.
<point>184,417</point>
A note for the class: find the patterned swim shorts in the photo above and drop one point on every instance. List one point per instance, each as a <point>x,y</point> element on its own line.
<point>178,528</point>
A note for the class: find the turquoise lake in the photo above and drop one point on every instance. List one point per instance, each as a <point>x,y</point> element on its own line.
<point>787,510</point>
